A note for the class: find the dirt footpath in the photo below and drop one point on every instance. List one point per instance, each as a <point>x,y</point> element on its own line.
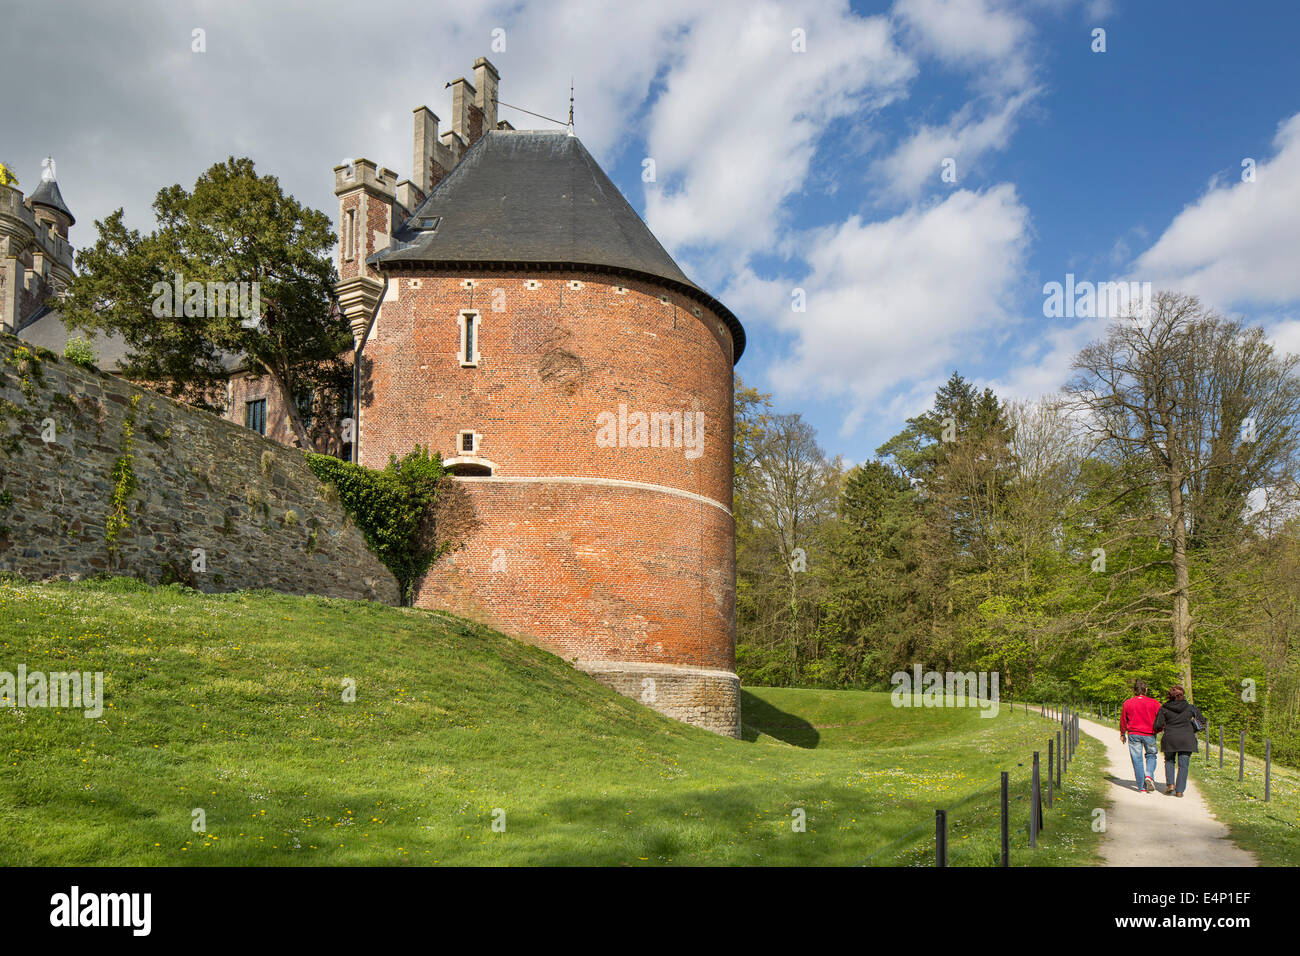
<point>1151,829</point>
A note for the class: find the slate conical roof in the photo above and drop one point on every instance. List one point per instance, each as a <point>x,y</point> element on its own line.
<point>47,194</point>
<point>531,198</point>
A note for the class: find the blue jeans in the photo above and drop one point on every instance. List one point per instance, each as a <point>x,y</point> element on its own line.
<point>1180,784</point>
<point>1140,747</point>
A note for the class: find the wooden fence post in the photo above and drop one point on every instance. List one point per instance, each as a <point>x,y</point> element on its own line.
<point>1241,766</point>
<point>940,838</point>
<point>1051,779</point>
<point>1006,834</point>
<point>1268,767</point>
<point>1034,797</point>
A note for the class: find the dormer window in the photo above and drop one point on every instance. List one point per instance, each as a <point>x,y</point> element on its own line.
<point>469,353</point>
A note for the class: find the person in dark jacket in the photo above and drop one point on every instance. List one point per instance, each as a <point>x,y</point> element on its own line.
<point>1179,738</point>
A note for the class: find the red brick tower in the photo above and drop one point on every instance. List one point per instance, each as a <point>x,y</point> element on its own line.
<point>528,326</point>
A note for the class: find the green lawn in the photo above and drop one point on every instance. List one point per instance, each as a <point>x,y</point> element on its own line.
<point>1269,830</point>
<point>232,704</point>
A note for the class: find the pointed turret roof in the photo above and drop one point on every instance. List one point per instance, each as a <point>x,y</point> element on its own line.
<point>536,198</point>
<point>47,194</point>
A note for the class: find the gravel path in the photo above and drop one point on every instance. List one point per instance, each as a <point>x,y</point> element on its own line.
<point>1151,829</point>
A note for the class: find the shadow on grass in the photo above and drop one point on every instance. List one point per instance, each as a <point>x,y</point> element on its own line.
<point>742,825</point>
<point>760,717</point>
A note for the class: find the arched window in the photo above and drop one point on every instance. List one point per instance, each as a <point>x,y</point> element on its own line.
<point>467,468</point>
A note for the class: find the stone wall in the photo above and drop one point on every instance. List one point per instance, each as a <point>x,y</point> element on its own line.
<point>694,695</point>
<point>211,503</point>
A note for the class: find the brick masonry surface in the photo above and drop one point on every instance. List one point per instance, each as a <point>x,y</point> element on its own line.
<point>259,514</point>
<point>611,555</point>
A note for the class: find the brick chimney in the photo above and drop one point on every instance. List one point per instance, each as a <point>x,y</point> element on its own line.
<point>462,106</point>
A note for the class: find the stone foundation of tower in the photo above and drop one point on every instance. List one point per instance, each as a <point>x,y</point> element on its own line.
<point>694,695</point>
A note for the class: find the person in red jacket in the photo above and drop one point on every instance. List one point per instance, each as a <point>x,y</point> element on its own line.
<point>1137,726</point>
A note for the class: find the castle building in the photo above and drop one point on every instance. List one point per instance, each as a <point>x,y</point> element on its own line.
<point>36,264</point>
<point>513,312</point>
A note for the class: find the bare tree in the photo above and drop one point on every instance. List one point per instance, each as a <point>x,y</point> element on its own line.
<point>793,494</point>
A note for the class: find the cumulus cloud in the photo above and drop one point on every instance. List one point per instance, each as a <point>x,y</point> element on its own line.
<point>736,127</point>
<point>297,87</point>
<point>982,35</point>
<point>965,138</point>
<point>894,302</point>
<point>1239,243</point>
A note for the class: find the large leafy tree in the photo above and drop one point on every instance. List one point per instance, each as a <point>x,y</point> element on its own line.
<point>1195,413</point>
<point>233,227</point>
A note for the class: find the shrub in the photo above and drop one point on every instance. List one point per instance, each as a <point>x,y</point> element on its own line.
<point>393,507</point>
<point>79,351</point>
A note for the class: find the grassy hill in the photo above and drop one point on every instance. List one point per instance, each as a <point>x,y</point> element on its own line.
<point>233,705</point>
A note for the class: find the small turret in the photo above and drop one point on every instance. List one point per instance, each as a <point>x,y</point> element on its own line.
<point>47,202</point>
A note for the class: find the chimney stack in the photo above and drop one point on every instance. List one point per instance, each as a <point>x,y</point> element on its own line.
<point>426,149</point>
<point>473,113</point>
<point>462,105</point>
<point>486,80</point>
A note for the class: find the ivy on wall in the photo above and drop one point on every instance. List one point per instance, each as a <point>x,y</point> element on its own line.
<point>393,507</point>
<point>124,480</point>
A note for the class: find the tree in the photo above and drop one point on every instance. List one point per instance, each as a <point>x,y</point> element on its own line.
<point>873,600</point>
<point>957,456</point>
<point>784,493</point>
<point>235,227</point>
<point>1165,399</point>
<point>396,510</point>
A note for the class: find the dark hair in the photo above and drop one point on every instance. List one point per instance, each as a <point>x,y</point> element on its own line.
<point>1176,692</point>
<point>1140,687</point>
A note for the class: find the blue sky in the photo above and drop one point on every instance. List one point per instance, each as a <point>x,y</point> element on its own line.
<point>775,169</point>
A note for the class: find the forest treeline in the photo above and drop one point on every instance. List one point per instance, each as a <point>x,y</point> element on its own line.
<point>1141,522</point>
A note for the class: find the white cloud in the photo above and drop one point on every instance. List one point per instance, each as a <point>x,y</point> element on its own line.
<point>964,138</point>
<point>1285,336</point>
<point>890,303</point>
<point>972,34</point>
<point>131,109</point>
<point>1240,242</point>
<point>1043,363</point>
<point>734,132</point>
